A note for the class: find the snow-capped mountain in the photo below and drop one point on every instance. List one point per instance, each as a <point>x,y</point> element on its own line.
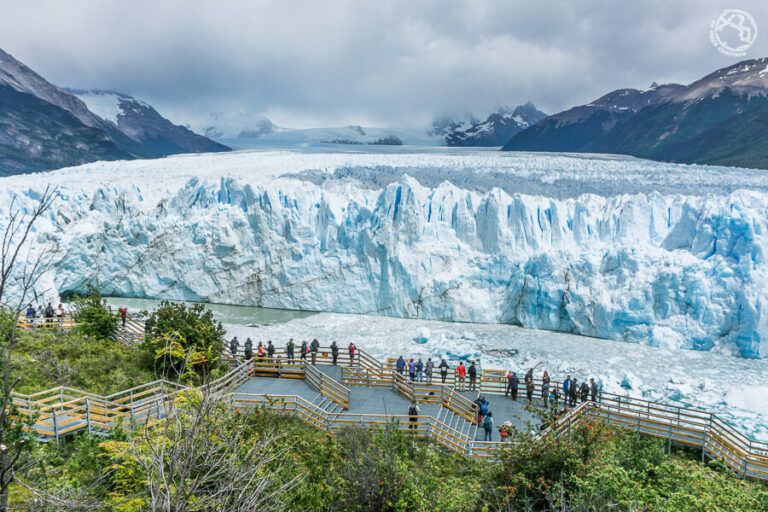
<point>232,125</point>
<point>497,129</point>
<point>480,237</point>
<point>719,119</point>
<point>444,125</point>
<point>43,126</point>
<point>140,122</point>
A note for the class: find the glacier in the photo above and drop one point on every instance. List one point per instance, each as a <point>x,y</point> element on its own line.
<point>434,235</point>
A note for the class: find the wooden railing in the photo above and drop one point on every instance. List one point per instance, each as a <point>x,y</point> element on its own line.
<point>61,411</point>
<point>132,331</point>
<point>327,386</point>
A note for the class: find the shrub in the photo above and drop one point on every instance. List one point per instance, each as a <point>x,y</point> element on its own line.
<point>184,342</point>
<point>93,317</point>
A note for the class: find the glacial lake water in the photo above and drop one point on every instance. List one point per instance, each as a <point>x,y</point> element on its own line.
<point>228,314</point>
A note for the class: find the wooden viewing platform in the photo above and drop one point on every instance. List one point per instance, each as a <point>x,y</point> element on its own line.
<point>367,392</point>
<point>131,332</point>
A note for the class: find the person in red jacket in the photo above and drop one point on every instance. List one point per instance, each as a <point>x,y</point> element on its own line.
<point>461,372</point>
<point>352,350</point>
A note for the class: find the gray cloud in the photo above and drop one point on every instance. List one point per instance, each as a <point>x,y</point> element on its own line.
<point>382,62</point>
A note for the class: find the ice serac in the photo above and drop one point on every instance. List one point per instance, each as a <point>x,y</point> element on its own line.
<point>666,270</point>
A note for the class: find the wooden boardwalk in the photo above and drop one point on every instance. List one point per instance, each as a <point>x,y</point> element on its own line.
<point>367,392</point>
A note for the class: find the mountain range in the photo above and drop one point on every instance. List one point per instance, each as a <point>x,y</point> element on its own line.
<point>43,126</point>
<point>721,119</point>
<point>495,130</point>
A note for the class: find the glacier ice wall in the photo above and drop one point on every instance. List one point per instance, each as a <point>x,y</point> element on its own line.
<point>665,270</point>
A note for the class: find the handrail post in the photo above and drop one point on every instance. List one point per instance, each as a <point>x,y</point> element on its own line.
<point>88,414</point>
<point>55,427</point>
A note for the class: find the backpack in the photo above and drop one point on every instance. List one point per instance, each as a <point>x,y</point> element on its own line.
<point>487,423</point>
<point>412,411</point>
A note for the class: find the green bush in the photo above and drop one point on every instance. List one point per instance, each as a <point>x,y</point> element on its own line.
<point>184,342</point>
<point>93,317</point>
<point>46,359</point>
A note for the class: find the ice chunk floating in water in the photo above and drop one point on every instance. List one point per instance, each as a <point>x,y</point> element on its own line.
<point>319,232</point>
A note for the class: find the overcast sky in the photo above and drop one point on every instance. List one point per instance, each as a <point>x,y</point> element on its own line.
<point>371,62</point>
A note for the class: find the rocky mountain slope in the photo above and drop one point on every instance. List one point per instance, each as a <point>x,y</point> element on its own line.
<point>719,119</point>
<point>497,129</point>
<point>43,126</point>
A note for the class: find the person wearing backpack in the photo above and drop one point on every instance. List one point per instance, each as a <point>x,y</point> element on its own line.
<point>473,377</point>
<point>289,351</point>
<point>488,426</point>
<point>248,351</point>
<point>400,365</point>
<point>270,351</point>
<point>443,370</point>
<point>413,416</point>
<point>334,352</point>
<point>512,384</point>
<point>313,348</point>
<point>233,345</point>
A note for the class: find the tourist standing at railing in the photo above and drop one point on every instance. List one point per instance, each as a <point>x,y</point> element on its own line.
<point>593,389</point>
<point>472,377</point>
<point>461,372</point>
<point>248,349</point>
<point>400,365</point>
<point>545,389</point>
<point>123,314</point>
<point>573,391</point>
<point>584,391</point>
<point>313,348</point>
<point>443,370</point>
<point>289,348</point>
<point>512,384</point>
<point>352,349</point>
<point>529,386</point>
<point>413,415</point>
<point>334,352</point>
<point>567,390</point>
<point>233,345</point>
<point>261,353</point>
<point>304,350</point>
<point>430,367</point>
<point>412,370</point>
<point>488,427</point>
<point>270,351</point>
<point>420,370</point>
<point>61,313</point>
<point>30,314</point>
<point>49,313</point>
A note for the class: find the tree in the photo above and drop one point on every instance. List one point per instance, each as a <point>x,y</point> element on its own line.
<point>184,341</point>
<point>93,317</point>
<point>20,272</point>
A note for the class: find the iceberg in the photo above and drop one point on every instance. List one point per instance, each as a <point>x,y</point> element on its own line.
<point>331,233</point>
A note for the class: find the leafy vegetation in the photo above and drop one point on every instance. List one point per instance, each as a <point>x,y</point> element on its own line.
<point>597,468</point>
<point>46,359</point>
<point>184,342</point>
<point>93,317</point>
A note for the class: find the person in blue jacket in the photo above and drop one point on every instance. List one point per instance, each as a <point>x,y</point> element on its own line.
<point>400,365</point>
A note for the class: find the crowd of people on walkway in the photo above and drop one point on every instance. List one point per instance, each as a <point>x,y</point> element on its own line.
<point>37,315</point>
<point>267,355</point>
<point>466,378</point>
